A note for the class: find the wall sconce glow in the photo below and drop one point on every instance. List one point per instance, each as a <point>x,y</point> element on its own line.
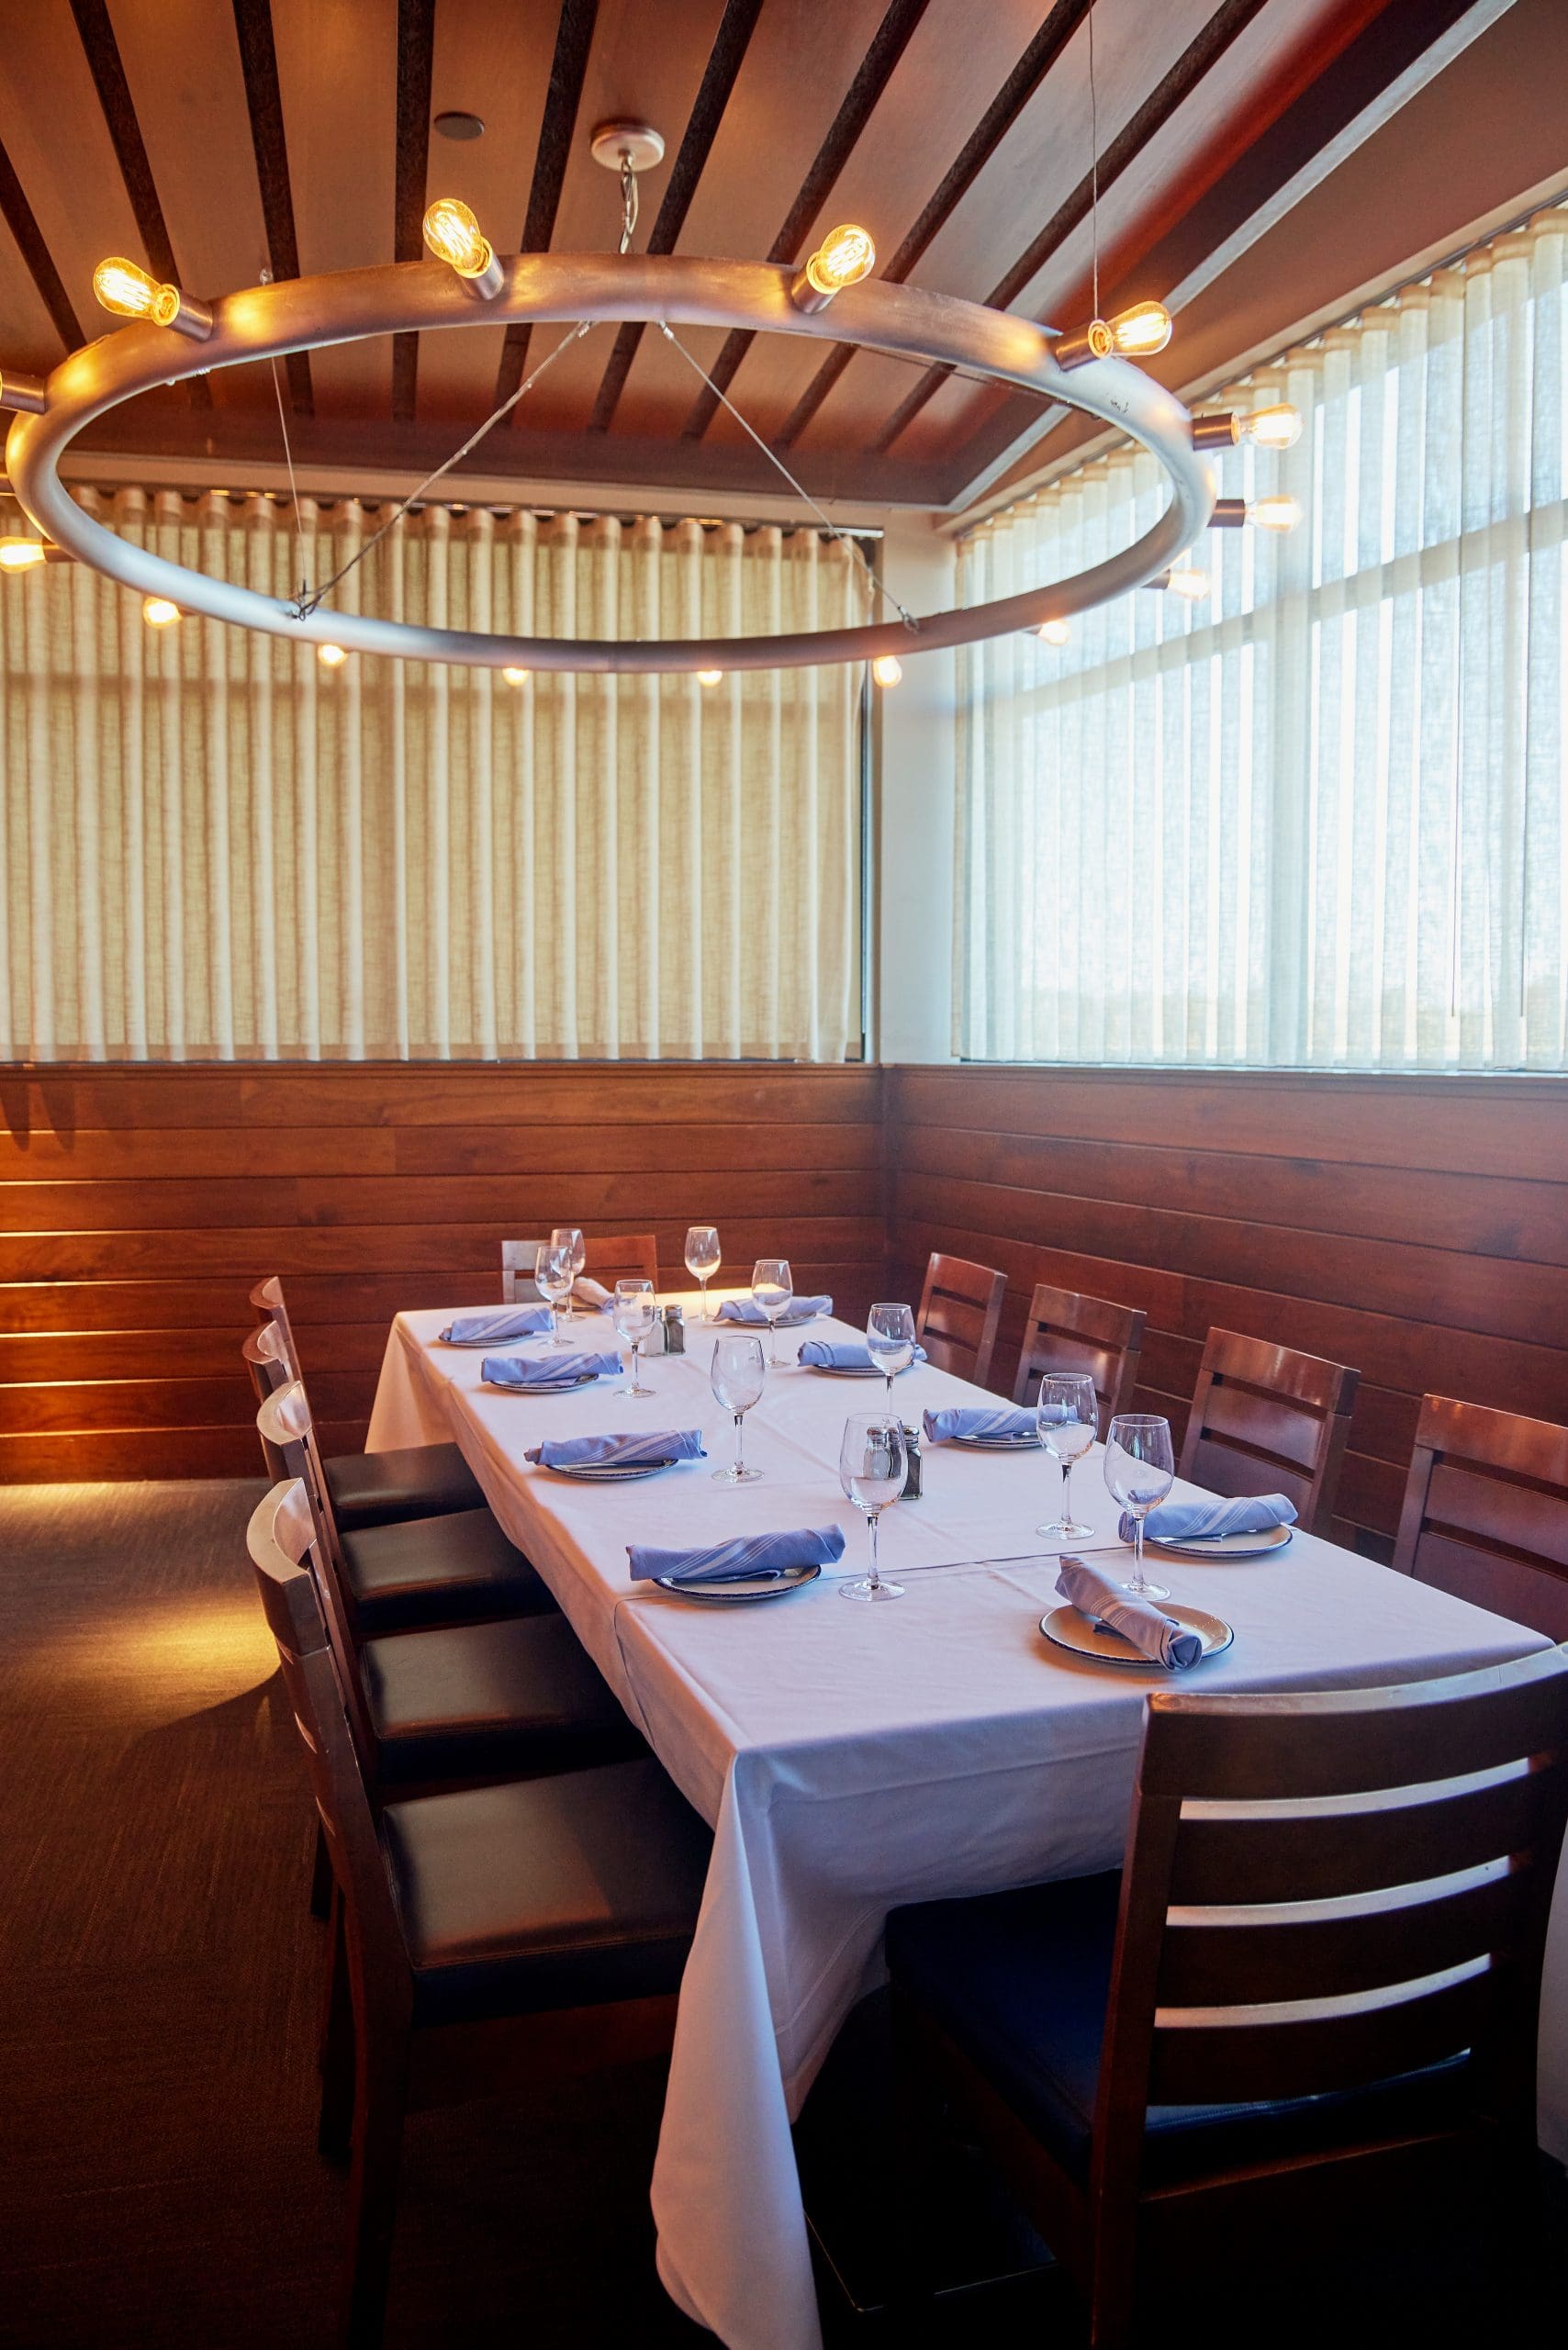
<point>887,670</point>
<point>844,257</point>
<point>132,292</point>
<point>454,236</point>
<point>709,676</point>
<point>1187,581</point>
<point>1278,514</point>
<point>1272,427</point>
<point>158,612</point>
<point>1053,633</point>
<point>330,657</point>
<point>1140,332</point>
<point>22,554</point>
<point>515,677</point>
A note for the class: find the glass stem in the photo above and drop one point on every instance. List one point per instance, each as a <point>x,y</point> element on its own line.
<point>704,1297</point>
<point>1138,1552</point>
<point>1066,1467</point>
<point>740,1443</point>
<point>555,1320</point>
<point>871,1518</point>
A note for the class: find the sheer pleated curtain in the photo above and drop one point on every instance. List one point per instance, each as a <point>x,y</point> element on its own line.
<point>211,846</point>
<point>1319,819</point>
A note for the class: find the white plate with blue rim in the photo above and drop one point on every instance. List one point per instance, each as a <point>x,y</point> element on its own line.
<point>1256,1545</point>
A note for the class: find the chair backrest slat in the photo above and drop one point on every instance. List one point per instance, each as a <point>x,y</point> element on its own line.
<point>268,1301</point>
<point>1267,1419</point>
<point>286,1426</point>
<point>518,1260</point>
<point>960,1312</point>
<point>1486,1510</point>
<point>1068,1331</point>
<point>1194,2064</point>
<point>610,1258</point>
<point>265,1353</point>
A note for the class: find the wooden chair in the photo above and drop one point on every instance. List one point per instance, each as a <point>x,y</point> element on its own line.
<point>1486,1512</point>
<point>618,1257</point>
<point>1161,2058</point>
<point>487,1940</point>
<point>1067,1331</point>
<point>518,1260</point>
<point>960,1307</point>
<point>1265,1420</point>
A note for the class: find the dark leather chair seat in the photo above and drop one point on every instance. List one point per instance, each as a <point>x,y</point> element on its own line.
<point>551,1893</point>
<point>1020,1981</point>
<point>490,1700</point>
<point>455,1569</point>
<point>420,1480</point>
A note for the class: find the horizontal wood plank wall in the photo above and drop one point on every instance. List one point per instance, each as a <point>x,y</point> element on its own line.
<point>137,1205</point>
<point>1416,1228</point>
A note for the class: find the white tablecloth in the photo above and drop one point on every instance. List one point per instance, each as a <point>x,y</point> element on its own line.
<point>853,1758</point>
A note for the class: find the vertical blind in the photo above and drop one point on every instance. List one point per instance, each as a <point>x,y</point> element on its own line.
<point>211,846</point>
<point>1318,820</point>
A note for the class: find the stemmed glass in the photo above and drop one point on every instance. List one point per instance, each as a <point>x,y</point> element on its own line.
<point>889,1341</point>
<point>872,1464</point>
<point>772,1286</point>
<point>552,1278</point>
<point>1068,1417</point>
<point>737,1376</point>
<point>1140,1469</point>
<point>633,1314</point>
<point>702,1259</point>
<point>570,1237</point>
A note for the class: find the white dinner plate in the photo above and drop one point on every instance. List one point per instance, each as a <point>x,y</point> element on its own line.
<point>1227,1545</point>
<point>1065,1628</point>
<point>607,1473</point>
<point>516,1338</point>
<point>996,1443</point>
<point>726,1593</point>
<point>556,1387</point>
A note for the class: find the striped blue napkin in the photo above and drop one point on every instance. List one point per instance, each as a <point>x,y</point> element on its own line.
<point>844,1354</point>
<point>1202,1521</point>
<point>757,1555</point>
<point>543,1377</point>
<point>617,1452</point>
<point>1154,1634</point>
<point>747,1309</point>
<point>972,1420</point>
<point>496,1328</point>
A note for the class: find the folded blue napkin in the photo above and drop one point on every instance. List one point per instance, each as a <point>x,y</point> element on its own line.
<point>592,1295</point>
<point>747,1309</point>
<point>969,1420</point>
<point>757,1555</point>
<point>1202,1521</point>
<point>540,1377</point>
<point>494,1329</point>
<point>844,1354</point>
<point>1154,1634</point>
<point>617,1452</point>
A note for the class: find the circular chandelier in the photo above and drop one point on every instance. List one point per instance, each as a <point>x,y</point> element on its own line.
<point>833,298</point>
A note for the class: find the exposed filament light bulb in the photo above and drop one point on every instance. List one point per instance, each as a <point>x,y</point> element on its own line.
<point>1140,332</point>
<point>845,256</point>
<point>158,612</point>
<point>515,677</point>
<point>1053,633</point>
<point>21,554</point>
<point>132,292</point>
<point>887,670</point>
<point>1278,514</point>
<point>709,676</point>
<point>1188,581</point>
<point>454,236</point>
<point>330,657</point>
<point>1272,428</point>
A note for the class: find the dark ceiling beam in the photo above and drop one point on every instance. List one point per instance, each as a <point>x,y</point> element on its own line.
<point>104,62</point>
<point>263,103</point>
<point>724,61</point>
<point>976,153</point>
<point>890,39</point>
<point>416,65</point>
<point>1227,22</point>
<point>19,217</point>
<point>1353,94</point>
<point>568,69</point>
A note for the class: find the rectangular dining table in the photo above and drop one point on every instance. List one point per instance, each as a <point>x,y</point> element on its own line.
<point>853,1758</point>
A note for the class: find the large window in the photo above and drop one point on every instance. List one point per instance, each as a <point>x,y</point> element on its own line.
<point>1317,820</point>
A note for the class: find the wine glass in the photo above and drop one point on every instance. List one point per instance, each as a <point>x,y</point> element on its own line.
<point>570,1237</point>
<point>772,1286</point>
<point>553,1276</point>
<point>1068,1417</point>
<point>889,1341</point>
<point>872,1464</point>
<point>702,1259</point>
<point>1140,1469</point>
<point>633,1314</point>
<point>737,1376</point>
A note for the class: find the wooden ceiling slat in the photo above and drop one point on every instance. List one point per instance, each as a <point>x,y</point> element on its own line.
<point>258,61</point>
<point>19,219</point>
<point>568,69</point>
<point>892,38</point>
<point>102,50</point>
<point>724,61</point>
<point>416,59</point>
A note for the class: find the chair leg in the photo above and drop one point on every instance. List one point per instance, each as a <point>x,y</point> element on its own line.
<point>334,2134</point>
<point>321,1876</point>
<point>382,2072</point>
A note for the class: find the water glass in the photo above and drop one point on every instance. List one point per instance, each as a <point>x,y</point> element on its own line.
<point>1068,1417</point>
<point>872,1464</point>
<point>570,1237</point>
<point>702,1259</point>
<point>737,1376</point>
<point>1140,1467</point>
<point>889,1341</point>
<point>633,1314</point>
<point>772,1286</point>
<point>553,1277</point>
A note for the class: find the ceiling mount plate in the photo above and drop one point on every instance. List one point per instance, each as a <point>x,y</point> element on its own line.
<point>625,140</point>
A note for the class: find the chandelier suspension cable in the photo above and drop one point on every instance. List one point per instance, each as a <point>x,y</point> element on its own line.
<point>305,604</point>
<point>628,201</point>
<point>1093,167</point>
<point>878,586</point>
<point>267,279</point>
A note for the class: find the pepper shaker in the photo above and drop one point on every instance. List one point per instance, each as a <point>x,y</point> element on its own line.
<point>911,1473</point>
<point>674,1330</point>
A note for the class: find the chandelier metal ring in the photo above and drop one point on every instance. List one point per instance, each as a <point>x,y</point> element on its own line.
<point>307,314</point>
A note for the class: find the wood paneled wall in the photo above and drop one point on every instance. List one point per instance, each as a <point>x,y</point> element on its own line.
<point>1416,1228</point>
<point>138,1206</point>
